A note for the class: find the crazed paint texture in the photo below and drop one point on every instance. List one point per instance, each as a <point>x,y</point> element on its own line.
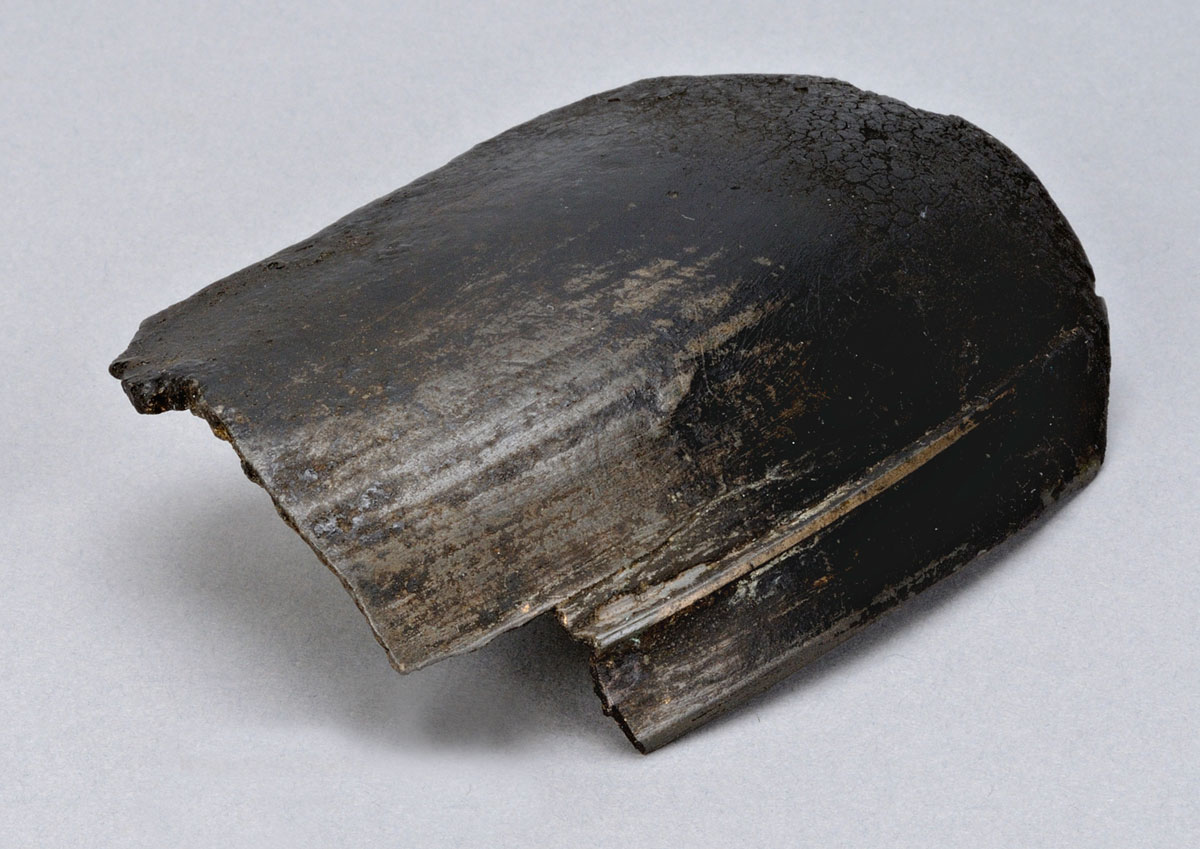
<point>662,361</point>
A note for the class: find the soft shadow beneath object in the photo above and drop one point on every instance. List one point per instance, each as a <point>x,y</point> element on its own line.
<point>282,640</point>
<point>251,608</point>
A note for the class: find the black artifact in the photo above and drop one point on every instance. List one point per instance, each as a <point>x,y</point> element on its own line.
<point>719,369</point>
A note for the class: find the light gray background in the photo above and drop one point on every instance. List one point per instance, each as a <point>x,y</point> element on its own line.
<point>179,670</point>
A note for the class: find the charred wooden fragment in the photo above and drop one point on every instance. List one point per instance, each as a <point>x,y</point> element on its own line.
<point>719,369</point>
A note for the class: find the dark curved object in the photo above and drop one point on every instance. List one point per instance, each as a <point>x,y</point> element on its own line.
<point>718,368</point>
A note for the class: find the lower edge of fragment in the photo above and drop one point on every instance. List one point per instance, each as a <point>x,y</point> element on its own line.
<point>1054,449</point>
<point>611,710</point>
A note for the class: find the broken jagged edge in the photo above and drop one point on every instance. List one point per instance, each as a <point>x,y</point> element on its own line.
<point>717,368</point>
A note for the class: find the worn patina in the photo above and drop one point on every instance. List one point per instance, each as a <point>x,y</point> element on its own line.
<point>717,368</point>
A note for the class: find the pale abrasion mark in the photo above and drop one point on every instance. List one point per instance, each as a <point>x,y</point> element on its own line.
<point>441,443</point>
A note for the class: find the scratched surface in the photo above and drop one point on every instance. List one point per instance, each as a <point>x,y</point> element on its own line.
<point>610,361</point>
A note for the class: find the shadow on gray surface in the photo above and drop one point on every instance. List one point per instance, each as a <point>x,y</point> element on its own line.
<point>249,604</point>
<point>284,642</point>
